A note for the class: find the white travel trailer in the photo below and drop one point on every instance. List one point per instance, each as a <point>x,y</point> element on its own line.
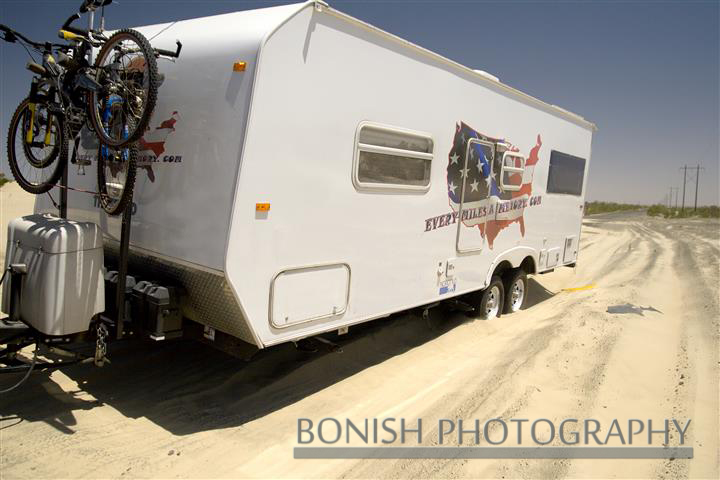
<point>306,171</point>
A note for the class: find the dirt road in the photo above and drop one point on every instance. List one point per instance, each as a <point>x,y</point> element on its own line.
<point>641,343</point>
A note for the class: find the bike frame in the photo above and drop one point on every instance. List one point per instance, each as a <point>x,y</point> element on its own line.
<point>107,112</point>
<point>62,85</point>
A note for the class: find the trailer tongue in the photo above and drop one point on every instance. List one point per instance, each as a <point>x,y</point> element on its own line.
<point>58,293</point>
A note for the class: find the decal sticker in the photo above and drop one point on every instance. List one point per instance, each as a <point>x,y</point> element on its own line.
<point>447,286</point>
<point>487,206</point>
<point>152,146</point>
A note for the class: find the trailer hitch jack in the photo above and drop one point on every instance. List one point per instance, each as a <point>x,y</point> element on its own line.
<point>101,345</point>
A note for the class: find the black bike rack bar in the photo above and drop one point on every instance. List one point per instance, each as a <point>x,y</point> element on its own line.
<point>63,192</point>
<point>124,248</point>
<point>122,268</point>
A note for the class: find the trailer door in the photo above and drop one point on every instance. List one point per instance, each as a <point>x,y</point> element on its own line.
<point>566,177</point>
<point>475,184</point>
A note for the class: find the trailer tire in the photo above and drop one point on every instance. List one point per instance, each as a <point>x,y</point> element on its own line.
<point>488,303</point>
<point>516,288</point>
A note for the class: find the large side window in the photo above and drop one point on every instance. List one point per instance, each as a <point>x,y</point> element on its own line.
<point>391,158</point>
<point>566,174</point>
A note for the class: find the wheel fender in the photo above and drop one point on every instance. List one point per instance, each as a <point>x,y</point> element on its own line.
<point>514,256</point>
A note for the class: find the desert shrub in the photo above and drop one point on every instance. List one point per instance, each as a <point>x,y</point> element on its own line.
<point>712,211</point>
<point>592,208</point>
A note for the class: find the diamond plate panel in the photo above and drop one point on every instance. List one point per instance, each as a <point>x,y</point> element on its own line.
<point>208,300</point>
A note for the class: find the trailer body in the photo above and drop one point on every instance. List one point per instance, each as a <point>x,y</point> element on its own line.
<point>305,171</point>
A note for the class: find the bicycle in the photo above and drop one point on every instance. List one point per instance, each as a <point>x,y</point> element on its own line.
<point>115,96</point>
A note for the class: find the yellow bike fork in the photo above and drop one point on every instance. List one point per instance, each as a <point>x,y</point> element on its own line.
<point>48,132</point>
<point>29,133</point>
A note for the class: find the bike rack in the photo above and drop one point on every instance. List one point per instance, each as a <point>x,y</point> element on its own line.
<point>64,187</point>
<point>124,248</point>
<point>24,335</point>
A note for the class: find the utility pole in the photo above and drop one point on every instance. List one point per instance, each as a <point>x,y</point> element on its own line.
<point>697,182</point>
<point>684,182</point>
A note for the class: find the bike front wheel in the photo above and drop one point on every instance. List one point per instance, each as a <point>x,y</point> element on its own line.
<point>126,70</point>
<point>37,147</point>
<point>116,169</point>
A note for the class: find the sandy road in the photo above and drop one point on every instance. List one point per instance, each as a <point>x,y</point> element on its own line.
<point>643,343</point>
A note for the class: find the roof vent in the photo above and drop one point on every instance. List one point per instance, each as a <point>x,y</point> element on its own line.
<point>487,75</point>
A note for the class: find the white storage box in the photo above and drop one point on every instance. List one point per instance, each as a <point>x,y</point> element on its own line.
<point>64,285</point>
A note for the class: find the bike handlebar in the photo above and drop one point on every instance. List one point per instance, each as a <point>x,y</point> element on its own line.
<point>170,53</point>
<point>11,36</point>
<point>77,31</point>
<point>88,5</point>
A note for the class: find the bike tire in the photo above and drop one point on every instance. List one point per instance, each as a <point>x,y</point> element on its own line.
<point>59,161</point>
<point>95,113</point>
<point>126,196</point>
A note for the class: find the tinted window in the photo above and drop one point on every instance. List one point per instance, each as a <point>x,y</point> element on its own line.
<point>393,169</point>
<point>566,174</point>
<point>391,158</point>
<point>384,137</point>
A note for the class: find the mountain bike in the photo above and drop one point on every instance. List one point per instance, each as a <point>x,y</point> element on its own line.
<point>67,92</point>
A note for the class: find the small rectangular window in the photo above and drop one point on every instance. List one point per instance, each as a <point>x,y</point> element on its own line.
<point>566,174</point>
<point>390,158</point>
<point>511,175</point>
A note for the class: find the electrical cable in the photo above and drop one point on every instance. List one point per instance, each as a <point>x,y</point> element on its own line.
<point>34,360</point>
<point>27,374</point>
<point>161,31</point>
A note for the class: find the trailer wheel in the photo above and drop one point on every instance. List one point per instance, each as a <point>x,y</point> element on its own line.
<point>488,303</point>
<point>516,290</point>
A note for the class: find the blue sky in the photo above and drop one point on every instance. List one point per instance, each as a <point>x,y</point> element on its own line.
<point>647,73</point>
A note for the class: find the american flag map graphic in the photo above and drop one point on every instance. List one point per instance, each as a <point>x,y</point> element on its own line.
<point>154,141</point>
<point>483,191</point>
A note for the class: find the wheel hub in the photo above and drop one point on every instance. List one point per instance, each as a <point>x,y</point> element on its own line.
<point>493,302</point>
<point>517,294</point>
